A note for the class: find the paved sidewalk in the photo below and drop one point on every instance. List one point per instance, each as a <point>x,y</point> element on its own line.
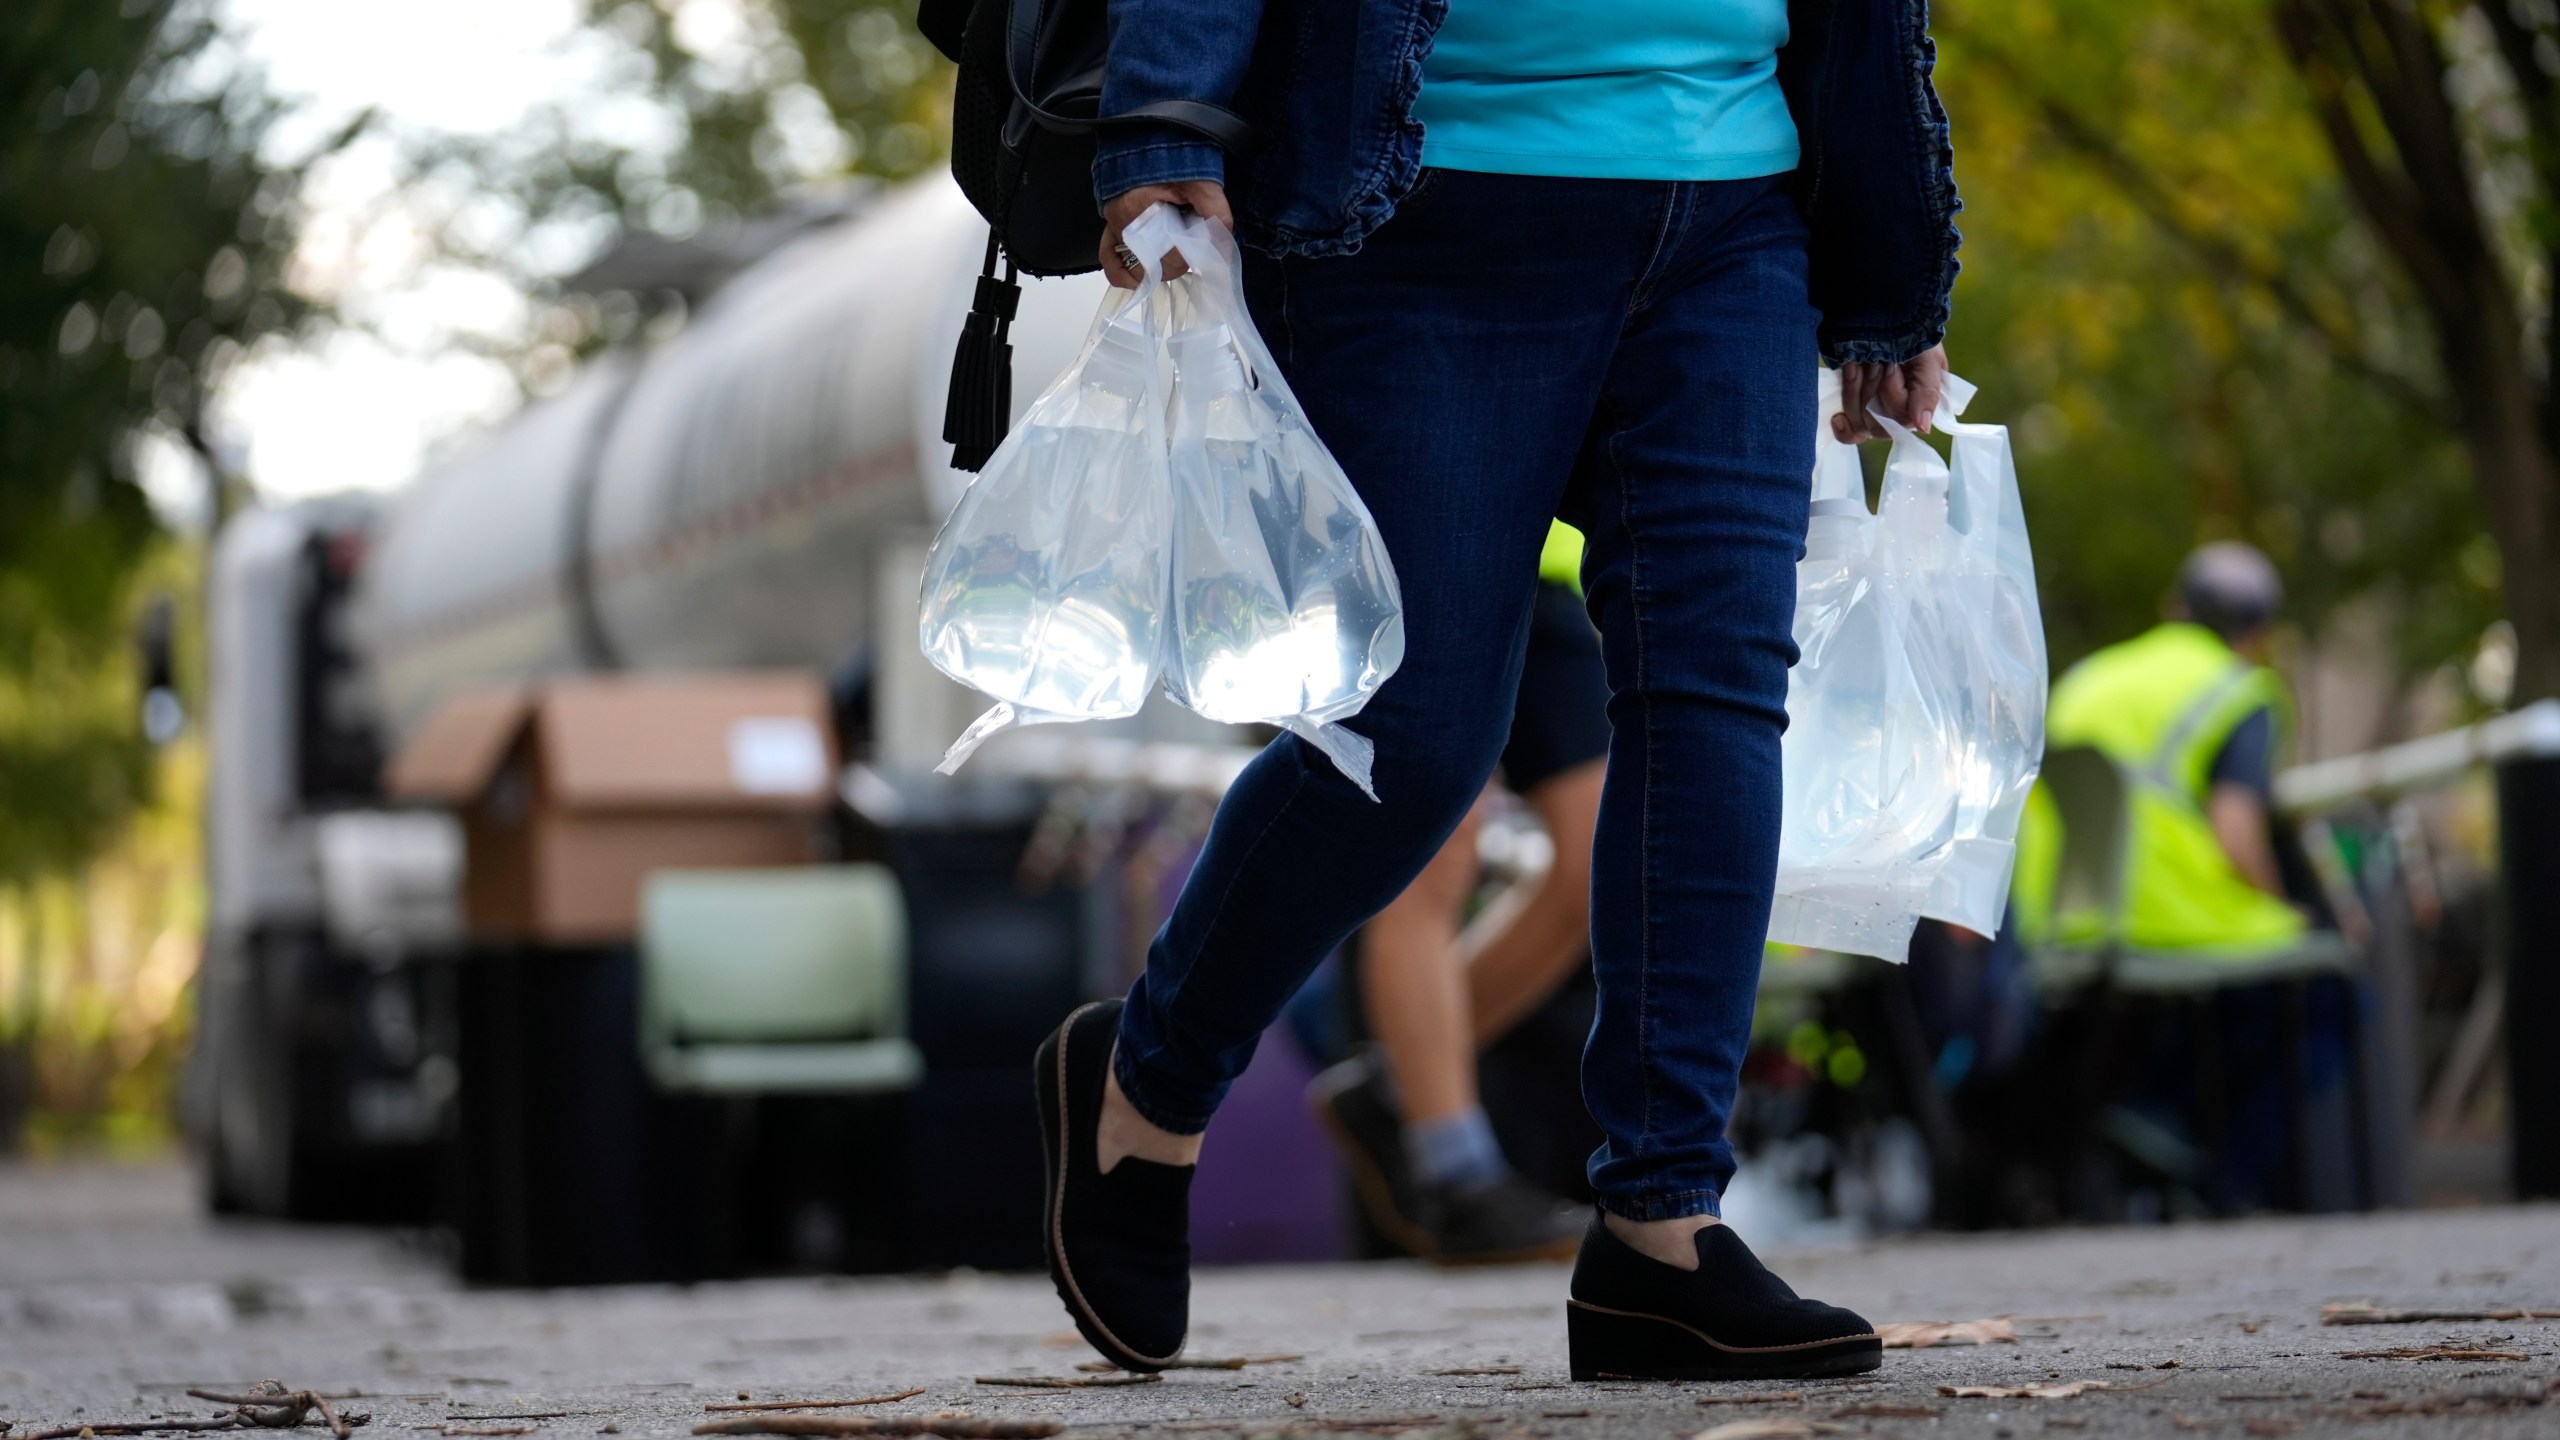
<point>115,1296</point>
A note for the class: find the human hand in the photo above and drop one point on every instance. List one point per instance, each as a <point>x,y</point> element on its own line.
<point>1908,392</point>
<point>1203,197</point>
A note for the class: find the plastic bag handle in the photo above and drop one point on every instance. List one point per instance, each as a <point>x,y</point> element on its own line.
<point>1163,229</point>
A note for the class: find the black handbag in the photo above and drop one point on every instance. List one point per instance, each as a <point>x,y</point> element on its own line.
<point>1025,115</point>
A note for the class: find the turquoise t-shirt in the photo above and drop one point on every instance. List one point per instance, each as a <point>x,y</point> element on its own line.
<point>1634,90</point>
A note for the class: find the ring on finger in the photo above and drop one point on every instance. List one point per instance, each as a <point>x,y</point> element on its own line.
<point>1128,258</point>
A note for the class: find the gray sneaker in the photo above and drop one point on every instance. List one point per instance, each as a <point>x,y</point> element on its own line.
<point>1501,1222</point>
<point>1504,1221</point>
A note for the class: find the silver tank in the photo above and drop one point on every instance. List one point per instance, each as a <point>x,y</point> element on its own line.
<point>727,498</point>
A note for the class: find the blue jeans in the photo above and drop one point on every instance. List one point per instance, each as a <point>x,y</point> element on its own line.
<point>1638,357</point>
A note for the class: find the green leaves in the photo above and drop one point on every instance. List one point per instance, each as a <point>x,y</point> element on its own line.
<point>143,242</point>
<point>2170,294</point>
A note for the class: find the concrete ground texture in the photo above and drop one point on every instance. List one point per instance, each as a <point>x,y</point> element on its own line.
<point>116,1296</point>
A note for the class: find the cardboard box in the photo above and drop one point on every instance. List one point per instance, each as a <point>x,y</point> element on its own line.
<point>571,791</point>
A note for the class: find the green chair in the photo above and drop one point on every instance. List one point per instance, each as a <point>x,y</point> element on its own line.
<point>757,981</point>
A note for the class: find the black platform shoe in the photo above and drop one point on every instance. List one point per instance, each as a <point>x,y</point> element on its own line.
<point>1119,1245</point>
<point>1634,1318</point>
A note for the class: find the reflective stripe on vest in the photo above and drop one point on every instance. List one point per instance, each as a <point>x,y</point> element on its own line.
<point>2161,705</point>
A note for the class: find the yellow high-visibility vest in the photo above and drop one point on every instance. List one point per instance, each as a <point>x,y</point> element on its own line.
<point>1560,563</point>
<point>2160,706</point>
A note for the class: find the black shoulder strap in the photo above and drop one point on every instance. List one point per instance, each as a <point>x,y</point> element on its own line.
<point>1222,127</point>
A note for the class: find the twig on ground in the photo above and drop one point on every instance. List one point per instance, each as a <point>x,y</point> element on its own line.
<point>813,1404</point>
<point>268,1405</point>
<point>1757,1397</point>
<point>2376,1315</point>
<point>1476,1370</point>
<point>1068,1382</point>
<point>951,1425</point>
<point>124,1427</point>
<point>478,1429</point>
<point>2444,1351</point>
<point>271,1405</point>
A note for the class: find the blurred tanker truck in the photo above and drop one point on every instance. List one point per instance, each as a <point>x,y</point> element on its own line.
<point>579,882</point>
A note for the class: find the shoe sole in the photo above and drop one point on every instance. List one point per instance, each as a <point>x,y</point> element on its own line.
<point>1049,1080</point>
<point>1611,1344</point>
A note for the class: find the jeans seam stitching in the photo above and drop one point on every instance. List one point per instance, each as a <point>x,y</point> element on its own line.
<point>1644,830</point>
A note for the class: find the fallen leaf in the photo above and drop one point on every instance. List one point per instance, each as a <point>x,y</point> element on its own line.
<point>1925,1334</point>
<point>1297,1399</point>
<point>1771,1429</point>
<point>2248,1327</point>
<point>2064,1391</point>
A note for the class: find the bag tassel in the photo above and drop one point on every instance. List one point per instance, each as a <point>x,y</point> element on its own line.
<point>980,405</point>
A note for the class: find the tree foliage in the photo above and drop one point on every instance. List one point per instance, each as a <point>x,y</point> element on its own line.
<point>714,115</point>
<point>2357,201</point>
<point>2169,290</point>
<point>143,244</point>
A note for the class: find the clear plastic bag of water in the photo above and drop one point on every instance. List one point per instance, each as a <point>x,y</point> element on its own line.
<point>1284,605</point>
<point>1164,510</point>
<point>1916,708</point>
<point>1046,587</point>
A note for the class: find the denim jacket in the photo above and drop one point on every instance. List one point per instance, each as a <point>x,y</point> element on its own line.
<point>1329,87</point>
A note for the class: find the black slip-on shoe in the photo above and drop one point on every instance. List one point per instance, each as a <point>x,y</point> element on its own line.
<point>1119,1245</point>
<point>1504,1222</point>
<point>1634,1318</point>
<point>1350,1101</point>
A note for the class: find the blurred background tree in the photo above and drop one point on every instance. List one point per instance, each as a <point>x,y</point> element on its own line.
<point>145,234</point>
<point>144,238</point>
<point>2278,271</point>
<point>715,115</point>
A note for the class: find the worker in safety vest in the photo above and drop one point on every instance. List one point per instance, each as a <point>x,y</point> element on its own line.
<point>2193,717</point>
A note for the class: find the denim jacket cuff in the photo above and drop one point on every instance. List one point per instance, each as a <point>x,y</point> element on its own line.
<point>1124,164</point>
<point>1887,350</point>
